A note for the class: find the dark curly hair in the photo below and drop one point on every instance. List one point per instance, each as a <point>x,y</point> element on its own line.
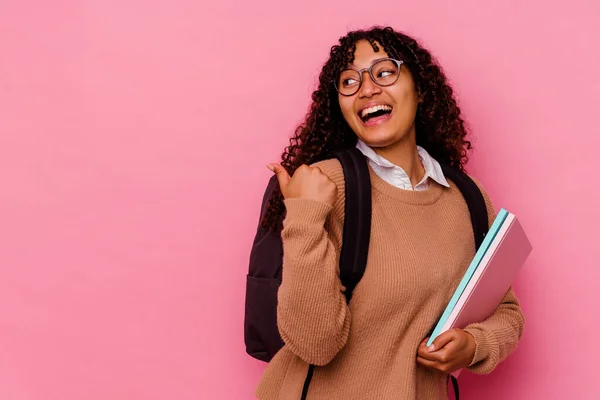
<point>440,128</point>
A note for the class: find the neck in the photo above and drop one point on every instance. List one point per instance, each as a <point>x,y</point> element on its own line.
<point>405,155</point>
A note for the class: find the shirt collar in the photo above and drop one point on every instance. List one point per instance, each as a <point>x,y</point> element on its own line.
<point>433,169</point>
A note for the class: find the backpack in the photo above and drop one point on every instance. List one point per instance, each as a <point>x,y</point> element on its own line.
<point>261,335</point>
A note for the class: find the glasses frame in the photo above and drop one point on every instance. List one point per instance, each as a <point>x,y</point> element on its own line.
<point>370,70</point>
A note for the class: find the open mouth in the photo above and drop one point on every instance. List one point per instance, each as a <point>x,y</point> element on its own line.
<point>375,113</point>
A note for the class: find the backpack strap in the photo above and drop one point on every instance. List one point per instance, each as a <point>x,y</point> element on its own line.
<point>474,199</point>
<point>357,221</point>
<point>455,386</point>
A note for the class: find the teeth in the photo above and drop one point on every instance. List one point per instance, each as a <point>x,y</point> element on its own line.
<point>373,109</point>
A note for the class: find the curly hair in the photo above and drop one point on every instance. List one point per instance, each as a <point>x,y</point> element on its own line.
<point>440,129</point>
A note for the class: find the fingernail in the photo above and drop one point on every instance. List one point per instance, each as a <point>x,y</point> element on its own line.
<point>431,348</point>
<point>270,167</point>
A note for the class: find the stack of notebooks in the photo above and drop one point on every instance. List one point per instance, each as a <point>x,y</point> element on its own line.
<point>489,276</point>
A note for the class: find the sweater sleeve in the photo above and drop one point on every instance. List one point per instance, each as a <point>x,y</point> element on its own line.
<point>312,315</point>
<point>496,337</point>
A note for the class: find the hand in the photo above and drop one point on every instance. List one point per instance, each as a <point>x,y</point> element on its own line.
<point>450,351</point>
<point>306,183</point>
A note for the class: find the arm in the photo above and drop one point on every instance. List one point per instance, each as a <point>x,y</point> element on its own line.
<point>497,337</point>
<point>312,315</point>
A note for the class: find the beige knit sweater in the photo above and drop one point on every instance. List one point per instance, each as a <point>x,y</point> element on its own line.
<point>421,244</point>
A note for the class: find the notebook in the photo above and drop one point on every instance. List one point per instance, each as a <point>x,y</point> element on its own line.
<point>489,276</point>
<point>487,241</point>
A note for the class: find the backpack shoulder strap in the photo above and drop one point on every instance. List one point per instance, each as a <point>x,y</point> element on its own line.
<point>357,221</point>
<point>474,199</point>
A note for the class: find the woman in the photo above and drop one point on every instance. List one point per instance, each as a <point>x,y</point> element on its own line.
<point>383,93</point>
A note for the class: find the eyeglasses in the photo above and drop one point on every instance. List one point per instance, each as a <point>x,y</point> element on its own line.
<point>384,72</point>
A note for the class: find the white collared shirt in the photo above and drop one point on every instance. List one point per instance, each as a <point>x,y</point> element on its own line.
<point>396,176</point>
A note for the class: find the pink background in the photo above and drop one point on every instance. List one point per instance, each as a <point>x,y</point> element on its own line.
<point>133,139</point>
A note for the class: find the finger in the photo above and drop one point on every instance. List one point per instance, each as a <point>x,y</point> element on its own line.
<point>434,365</point>
<point>282,175</point>
<point>440,356</point>
<point>425,362</point>
<point>449,354</point>
<point>317,168</point>
<point>424,353</point>
<point>443,340</point>
<point>423,350</point>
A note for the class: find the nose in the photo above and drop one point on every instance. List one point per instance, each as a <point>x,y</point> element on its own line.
<point>368,87</point>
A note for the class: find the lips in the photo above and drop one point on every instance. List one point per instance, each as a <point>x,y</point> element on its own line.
<point>376,120</point>
<point>374,111</point>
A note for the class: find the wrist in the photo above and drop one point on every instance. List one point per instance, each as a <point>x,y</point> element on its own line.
<point>471,346</point>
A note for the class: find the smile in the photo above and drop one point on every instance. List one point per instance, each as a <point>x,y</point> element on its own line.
<point>376,114</point>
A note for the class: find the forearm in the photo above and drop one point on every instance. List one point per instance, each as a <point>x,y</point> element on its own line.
<point>313,317</point>
<point>497,337</point>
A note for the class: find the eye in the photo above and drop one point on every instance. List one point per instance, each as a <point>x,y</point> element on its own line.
<point>349,81</point>
<point>383,74</point>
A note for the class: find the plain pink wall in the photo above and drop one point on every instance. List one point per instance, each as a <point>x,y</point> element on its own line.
<point>133,139</point>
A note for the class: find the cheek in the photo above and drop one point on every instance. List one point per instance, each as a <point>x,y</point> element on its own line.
<point>403,95</point>
<point>407,101</point>
<point>347,109</point>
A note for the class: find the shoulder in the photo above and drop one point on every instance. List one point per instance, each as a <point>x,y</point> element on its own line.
<point>486,197</point>
<point>480,185</point>
<point>451,173</point>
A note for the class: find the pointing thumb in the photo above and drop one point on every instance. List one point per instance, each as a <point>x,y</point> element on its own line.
<point>282,176</point>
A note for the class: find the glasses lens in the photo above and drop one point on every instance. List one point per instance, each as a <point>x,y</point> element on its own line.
<point>385,72</point>
<point>348,82</point>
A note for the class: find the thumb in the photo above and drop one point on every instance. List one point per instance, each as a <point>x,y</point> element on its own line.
<point>442,340</point>
<point>282,175</point>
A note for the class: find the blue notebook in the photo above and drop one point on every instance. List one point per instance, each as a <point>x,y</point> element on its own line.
<point>493,231</point>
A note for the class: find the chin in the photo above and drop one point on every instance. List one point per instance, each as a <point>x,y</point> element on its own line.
<point>379,137</point>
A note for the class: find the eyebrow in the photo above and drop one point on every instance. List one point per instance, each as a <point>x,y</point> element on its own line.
<point>373,62</point>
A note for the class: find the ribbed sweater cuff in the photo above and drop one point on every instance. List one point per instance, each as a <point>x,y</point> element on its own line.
<point>306,211</point>
<point>484,350</point>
